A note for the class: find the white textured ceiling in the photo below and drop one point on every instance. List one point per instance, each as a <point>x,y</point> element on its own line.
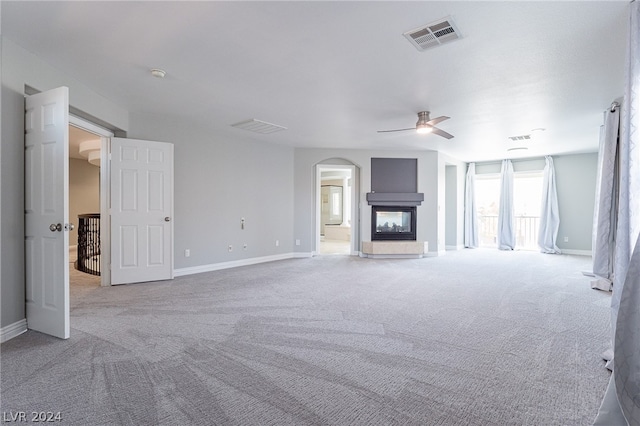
<point>335,72</point>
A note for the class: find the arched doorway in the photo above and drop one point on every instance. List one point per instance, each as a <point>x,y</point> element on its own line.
<point>337,208</point>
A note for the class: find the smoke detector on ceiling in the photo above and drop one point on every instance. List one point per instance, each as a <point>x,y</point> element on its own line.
<point>158,73</point>
<point>433,34</point>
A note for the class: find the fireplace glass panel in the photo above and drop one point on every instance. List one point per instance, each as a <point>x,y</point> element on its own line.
<point>393,223</point>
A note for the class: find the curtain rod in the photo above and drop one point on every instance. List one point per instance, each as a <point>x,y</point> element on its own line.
<point>614,105</point>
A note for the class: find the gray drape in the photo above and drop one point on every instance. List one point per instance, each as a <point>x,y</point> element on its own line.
<point>606,205</point>
<point>622,399</point>
<point>506,237</point>
<point>549,215</point>
<point>471,239</point>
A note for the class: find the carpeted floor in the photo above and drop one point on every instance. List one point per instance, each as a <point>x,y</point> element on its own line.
<point>476,337</point>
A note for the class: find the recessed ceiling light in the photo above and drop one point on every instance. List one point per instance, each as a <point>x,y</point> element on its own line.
<point>538,129</point>
<point>520,148</point>
<point>158,73</point>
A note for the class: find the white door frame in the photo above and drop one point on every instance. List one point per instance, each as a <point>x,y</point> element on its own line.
<point>355,206</point>
<point>105,202</point>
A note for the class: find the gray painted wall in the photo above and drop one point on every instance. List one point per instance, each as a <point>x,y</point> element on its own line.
<point>20,68</point>
<point>525,165</point>
<point>431,172</point>
<point>451,206</point>
<point>219,181</point>
<point>575,183</point>
<point>84,192</point>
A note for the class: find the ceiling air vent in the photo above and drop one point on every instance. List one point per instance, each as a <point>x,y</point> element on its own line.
<point>258,126</point>
<point>520,138</point>
<point>433,34</point>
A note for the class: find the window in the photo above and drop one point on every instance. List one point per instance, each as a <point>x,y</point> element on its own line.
<point>487,188</point>
<point>527,198</point>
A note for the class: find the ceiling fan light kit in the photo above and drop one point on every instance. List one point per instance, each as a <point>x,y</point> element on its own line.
<point>422,126</point>
<point>425,125</point>
<point>423,129</point>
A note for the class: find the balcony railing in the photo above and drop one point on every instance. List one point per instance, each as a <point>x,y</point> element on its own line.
<point>89,243</point>
<point>526,229</point>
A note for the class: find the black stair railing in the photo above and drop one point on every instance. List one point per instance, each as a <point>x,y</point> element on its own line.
<point>89,243</point>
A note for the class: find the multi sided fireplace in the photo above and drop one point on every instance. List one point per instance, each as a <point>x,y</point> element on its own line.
<point>393,223</point>
<point>394,198</point>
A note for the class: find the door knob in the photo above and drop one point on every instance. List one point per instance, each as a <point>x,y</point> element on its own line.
<point>69,227</point>
<point>55,227</point>
<point>167,219</point>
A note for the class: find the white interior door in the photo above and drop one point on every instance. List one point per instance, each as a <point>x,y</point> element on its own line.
<point>141,211</point>
<point>47,212</point>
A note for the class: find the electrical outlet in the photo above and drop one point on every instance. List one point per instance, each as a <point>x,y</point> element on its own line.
<point>277,243</point>
<point>297,242</point>
<point>187,253</point>
<point>230,247</point>
<point>566,239</point>
<point>244,247</point>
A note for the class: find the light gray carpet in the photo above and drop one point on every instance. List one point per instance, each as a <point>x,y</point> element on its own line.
<point>476,337</point>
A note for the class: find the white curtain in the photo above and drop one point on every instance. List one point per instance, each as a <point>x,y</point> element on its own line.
<point>606,205</point>
<point>470,212</point>
<point>549,215</point>
<point>506,235</point>
<point>621,400</point>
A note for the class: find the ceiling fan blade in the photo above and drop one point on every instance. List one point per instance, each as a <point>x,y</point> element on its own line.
<point>396,130</point>
<point>442,133</point>
<point>437,120</point>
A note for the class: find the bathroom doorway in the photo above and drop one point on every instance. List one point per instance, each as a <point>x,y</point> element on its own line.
<point>336,227</point>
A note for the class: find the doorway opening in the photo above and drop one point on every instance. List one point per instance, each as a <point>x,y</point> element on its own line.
<point>336,219</point>
<point>88,196</point>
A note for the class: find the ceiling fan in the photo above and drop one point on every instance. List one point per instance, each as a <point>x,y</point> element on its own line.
<point>425,125</point>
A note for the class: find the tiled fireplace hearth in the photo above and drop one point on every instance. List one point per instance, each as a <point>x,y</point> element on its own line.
<point>401,249</point>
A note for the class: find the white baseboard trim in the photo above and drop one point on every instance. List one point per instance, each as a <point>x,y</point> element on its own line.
<point>236,263</point>
<point>392,256</point>
<point>302,255</point>
<point>576,252</point>
<point>13,330</point>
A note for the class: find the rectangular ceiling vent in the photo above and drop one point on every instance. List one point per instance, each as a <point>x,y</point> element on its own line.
<point>433,34</point>
<point>258,126</point>
<point>520,138</point>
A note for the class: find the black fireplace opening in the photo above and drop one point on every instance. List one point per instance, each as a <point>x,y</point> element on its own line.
<point>393,223</point>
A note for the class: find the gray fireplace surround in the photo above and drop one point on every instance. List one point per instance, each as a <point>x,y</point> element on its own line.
<point>394,182</point>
